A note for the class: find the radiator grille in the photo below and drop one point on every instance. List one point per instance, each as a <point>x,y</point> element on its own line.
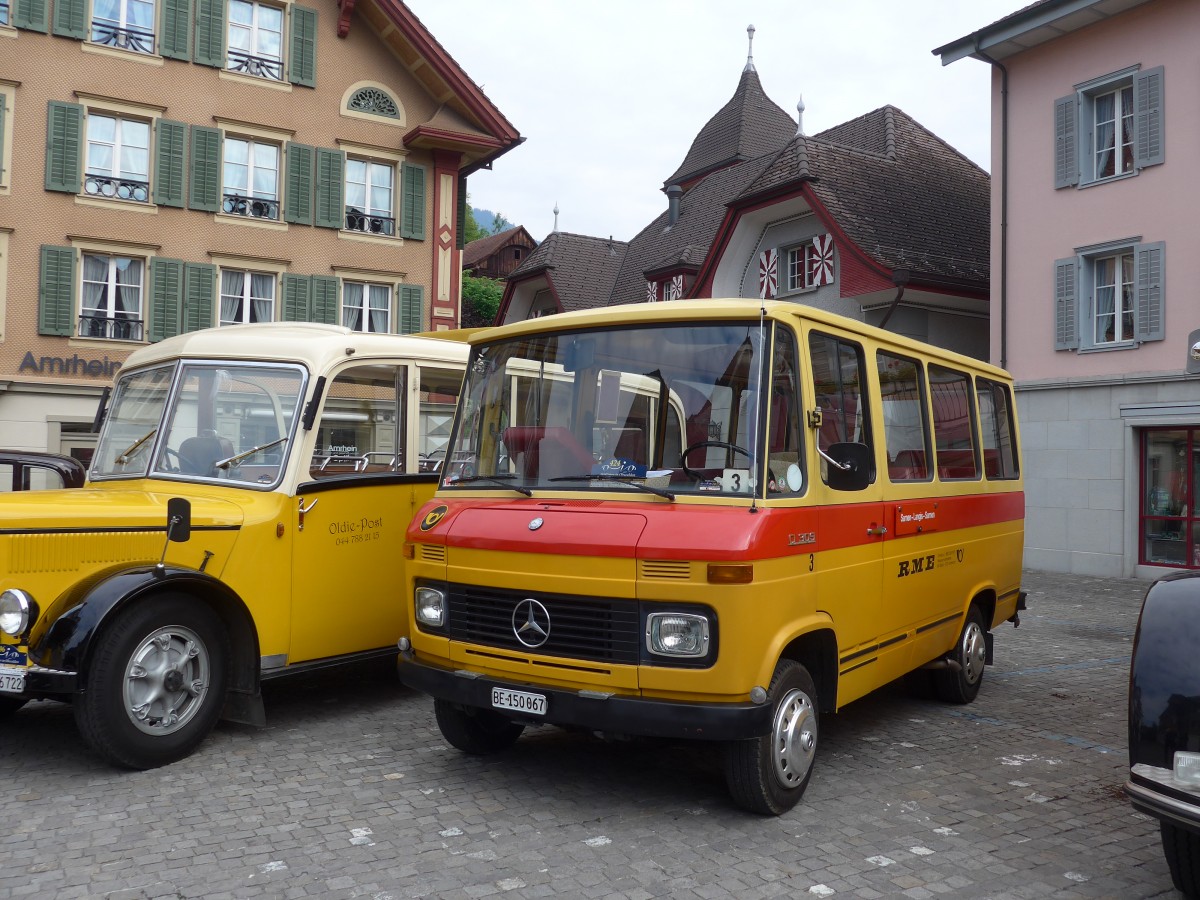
<point>592,628</point>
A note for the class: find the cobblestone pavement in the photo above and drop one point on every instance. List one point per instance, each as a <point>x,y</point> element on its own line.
<point>351,792</point>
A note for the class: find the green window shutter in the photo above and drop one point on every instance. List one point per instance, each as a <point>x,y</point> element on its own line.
<point>460,219</point>
<point>1066,304</point>
<point>64,131</point>
<point>1066,157</point>
<point>410,313</point>
<point>175,40</point>
<point>330,166</point>
<point>297,291</point>
<point>199,281</point>
<point>1151,295</point>
<point>32,15</point>
<point>302,64</point>
<point>166,297</point>
<point>170,159</point>
<point>70,18</point>
<point>210,33</point>
<point>298,192</point>
<point>325,291</point>
<point>204,186</point>
<point>56,291</point>
<point>412,216</point>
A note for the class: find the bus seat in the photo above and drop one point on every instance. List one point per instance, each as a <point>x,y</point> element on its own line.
<point>528,443</point>
<point>199,455</point>
<point>909,465</point>
<point>956,464</point>
<point>631,445</point>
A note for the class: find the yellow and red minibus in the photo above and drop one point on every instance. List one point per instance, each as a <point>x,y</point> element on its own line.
<point>714,519</point>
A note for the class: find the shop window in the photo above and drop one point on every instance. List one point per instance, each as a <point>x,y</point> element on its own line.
<point>1169,519</point>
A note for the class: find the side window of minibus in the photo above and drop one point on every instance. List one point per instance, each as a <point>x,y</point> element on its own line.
<point>362,423</point>
<point>437,395</point>
<point>784,456</point>
<point>953,424</point>
<point>905,417</point>
<point>996,430</point>
<point>840,396</point>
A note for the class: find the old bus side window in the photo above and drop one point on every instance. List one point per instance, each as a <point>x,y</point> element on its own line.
<point>839,393</point>
<point>953,424</point>
<point>905,417</point>
<point>785,457</point>
<point>996,430</point>
<point>362,423</point>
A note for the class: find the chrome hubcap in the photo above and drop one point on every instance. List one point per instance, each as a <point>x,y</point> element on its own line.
<point>974,652</point>
<point>794,737</point>
<point>166,680</point>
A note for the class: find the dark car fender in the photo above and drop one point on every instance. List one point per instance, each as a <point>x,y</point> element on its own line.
<point>1164,675</point>
<point>64,636</point>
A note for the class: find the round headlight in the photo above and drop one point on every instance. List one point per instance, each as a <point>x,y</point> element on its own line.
<point>16,612</point>
<point>431,607</point>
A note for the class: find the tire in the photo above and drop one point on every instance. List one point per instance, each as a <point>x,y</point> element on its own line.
<point>479,732</point>
<point>156,682</point>
<point>970,652</point>
<point>1182,850</point>
<point>768,774</point>
<point>9,705</point>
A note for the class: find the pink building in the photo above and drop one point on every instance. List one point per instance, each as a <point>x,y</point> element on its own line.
<point>1094,121</point>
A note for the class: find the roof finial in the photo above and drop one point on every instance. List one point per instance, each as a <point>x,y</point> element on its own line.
<point>800,117</point>
<point>750,54</point>
<point>556,217</point>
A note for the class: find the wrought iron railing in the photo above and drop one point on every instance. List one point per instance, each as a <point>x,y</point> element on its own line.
<point>251,207</point>
<point>261,66</point>
<point>116,188</point>
<point>357,220</point>
<point>105,327</point>
<point>137,39</point>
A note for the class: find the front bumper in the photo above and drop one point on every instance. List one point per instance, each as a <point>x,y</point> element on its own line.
<point>1156,792</point>
<point>593,710</point>
<point>42,682</point>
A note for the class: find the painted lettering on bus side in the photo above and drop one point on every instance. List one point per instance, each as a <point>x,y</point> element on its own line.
<point>915,566</point>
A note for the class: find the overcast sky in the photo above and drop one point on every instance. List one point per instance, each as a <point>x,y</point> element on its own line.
<point>608,94</point>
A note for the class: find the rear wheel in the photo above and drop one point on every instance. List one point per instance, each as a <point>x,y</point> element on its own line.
<point>960,683</point>
<point>768,774</point>
<point>156,683</point>
<point>1182,850</point>
<point>479,732</point>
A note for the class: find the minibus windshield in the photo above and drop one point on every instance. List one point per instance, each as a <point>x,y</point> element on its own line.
<point>658,409</point>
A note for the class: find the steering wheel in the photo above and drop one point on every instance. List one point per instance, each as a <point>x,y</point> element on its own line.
<point>167,453</point>
<point>696,446</point>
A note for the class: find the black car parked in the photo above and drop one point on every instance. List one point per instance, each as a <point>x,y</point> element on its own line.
<point>1164,721</point>
<point>27,470</point>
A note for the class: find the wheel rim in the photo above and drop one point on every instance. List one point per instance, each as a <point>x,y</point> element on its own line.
<point>166,680</point>
<point>973,652</point>
<point>794,738</point>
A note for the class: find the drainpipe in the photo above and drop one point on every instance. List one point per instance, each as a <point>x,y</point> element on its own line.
<point>979,54</point>
<point>899,279</point>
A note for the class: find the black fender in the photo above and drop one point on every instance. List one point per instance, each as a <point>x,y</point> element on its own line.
<point>64,636</point>
<point>1164,680</point>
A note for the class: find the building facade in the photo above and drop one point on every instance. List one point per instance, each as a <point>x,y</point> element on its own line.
<point>1095,117</point>
<point>169,165</point>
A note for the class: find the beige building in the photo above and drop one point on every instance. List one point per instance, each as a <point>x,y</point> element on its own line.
<point>169,165</point>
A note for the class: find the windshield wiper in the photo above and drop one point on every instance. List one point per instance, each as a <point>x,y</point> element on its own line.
<point>501,480</point>
<point>622,479</point>
<point>230,460</point>
<point>123,457</point>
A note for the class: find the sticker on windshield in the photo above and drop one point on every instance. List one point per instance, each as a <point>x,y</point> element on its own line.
<point>621,467</point>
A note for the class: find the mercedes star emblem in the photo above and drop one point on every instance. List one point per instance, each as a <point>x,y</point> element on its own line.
<point>531,623</point>
<point>535,524</point>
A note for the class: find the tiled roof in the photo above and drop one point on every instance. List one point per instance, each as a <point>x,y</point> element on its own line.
<point>582,268</point>
<point>481,249</point>
<point>746,127</point>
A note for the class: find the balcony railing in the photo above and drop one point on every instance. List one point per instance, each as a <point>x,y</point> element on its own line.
<point>116,188</point>
<point>251,207</point>
<point>110,35</point>
<point>91,326</point>
<point>260,66</point>
<point>357,220</point>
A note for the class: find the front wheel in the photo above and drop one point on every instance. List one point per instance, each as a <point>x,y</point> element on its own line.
<point>1182,850</point>
<point>479,732</point>
<point>970,654</point>
<point>768,774</point>
<point>156,683</point>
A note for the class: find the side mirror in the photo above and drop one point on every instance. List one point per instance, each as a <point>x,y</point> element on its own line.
<point>179,519</point>
<point>848,466</point>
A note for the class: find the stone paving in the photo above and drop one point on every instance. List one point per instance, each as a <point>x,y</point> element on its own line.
<point>351,792</point>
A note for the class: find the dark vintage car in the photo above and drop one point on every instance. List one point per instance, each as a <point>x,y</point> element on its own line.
<point>29,470</point>
<point>1164,721</point>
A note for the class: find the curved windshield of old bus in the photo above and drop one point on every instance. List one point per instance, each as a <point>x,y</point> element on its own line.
<point>664,407</point>
<point>210,421</point>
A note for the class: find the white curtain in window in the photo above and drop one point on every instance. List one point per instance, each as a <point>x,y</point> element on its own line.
<point>352,305</point>
<point>129,288</point>
<point>379,307</point>
<point>95,284</point>
<point>262,297</point>
<point>232,284</point>
<point>1105,134</point>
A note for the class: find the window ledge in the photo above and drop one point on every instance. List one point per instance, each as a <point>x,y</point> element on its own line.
<point>1084,185</point>
<point>269,224</point>
<point>797,292</point>
<point>271,83</point>
<point>1109,348</point>
<point>365,238</point>
<point>8,31</point>
<point>146,59</point>
<point>105,343</point>
<point>130,205</point>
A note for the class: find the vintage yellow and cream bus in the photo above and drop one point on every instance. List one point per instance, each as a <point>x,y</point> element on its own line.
<point>716,520</point>
<point>244,512</point>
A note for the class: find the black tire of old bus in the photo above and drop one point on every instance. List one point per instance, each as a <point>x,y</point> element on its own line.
<point>768,774</point>
<point>960,684</point>
<point>156,682</point>
<point>479,732</point>
<point>1182,850</point>
<point>9,705</point>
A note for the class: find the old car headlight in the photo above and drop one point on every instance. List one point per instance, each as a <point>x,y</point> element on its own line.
<point>677,634</point>
<point>431,607</point>
<point>17,610</point>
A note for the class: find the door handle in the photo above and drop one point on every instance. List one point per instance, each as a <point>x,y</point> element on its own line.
<point>873,531</point>
<point>304,509</point>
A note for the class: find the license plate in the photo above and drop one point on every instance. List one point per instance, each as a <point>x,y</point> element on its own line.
<point>12,680</point>
<point>519,701</point>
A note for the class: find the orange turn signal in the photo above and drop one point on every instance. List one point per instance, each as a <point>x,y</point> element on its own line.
<point>410,550</point>
<point>722,573</point>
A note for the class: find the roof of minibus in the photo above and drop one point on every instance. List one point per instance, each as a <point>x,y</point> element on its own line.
<point>726,308</point>
<point>317,346</point>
